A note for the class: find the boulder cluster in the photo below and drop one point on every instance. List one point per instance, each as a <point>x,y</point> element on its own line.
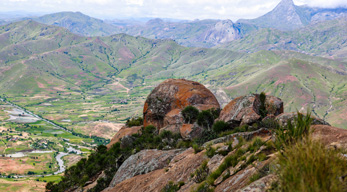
<point>164,105</point>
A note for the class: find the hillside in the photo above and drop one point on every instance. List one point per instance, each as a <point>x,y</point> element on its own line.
<point>78,23</point>
<point>90,80</point>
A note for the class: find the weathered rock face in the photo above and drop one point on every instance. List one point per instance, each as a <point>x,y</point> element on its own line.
<point>260,185</point>
<point>124,131</point>
<point>143,162</point>
<point>191,131</point>
<point>179,169</point>
<point>164,104</point>
<point>241,178</point>
<point>282,119</point>
<point>245,109</point>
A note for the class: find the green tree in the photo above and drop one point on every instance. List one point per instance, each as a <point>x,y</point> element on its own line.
<point>262,108</point>
<point>205,119</point>
<point>190,113</point>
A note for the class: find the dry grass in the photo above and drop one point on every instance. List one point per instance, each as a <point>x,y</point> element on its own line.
<point>309,166</point>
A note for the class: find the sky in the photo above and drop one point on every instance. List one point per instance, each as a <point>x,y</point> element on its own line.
<point>177,9</point>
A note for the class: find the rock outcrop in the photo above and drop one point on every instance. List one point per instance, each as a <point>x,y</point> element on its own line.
<point>260,185</point>
<point>283,118</point>
<point>143,162</point>
<point>163,106</point>
<point>330,136</point>
<point>124,131</point>
<point>246,109</point>
<point>191,131</point>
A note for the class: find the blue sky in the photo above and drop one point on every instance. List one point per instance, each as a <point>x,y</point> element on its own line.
<point>179,9</point>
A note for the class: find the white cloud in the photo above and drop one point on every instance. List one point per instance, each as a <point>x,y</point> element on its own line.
<point>180,9</point>
<point>135,2</point>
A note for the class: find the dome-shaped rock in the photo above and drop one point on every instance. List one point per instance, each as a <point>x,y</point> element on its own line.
<point>168,99</point>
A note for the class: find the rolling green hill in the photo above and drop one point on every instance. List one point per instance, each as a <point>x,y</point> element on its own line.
<point>85,82</point>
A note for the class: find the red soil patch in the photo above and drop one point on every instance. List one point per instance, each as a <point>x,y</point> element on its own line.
<point>342,67</point>
<point>125,54</point>
<point>286,79</point>
<point>12,165</point>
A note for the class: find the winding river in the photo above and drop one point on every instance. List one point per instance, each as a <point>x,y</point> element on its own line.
<point>59,156</point>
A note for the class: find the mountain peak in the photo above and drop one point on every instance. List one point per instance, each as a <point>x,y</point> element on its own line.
<point>284,17</point>
<point>286,2</point>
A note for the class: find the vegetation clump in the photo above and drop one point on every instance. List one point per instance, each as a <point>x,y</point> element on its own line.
<point>293,132</point>
<point>109,160</point>
<point>205,119</point>
<point>201,173</point>
<point>190,114</point>
<point>309,166</point>
<point>172,187</point>
<point>138,121</point>
<point>220,126</point>
<point>262,108</point>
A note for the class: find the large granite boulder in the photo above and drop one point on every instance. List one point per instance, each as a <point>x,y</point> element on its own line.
<point>164,105</point>
<point>246,109</point>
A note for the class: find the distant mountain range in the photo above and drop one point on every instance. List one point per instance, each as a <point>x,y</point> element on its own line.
<point>200,33</point>
<point>328,39</point>
<point>287,16</point>
<point>38,59</point>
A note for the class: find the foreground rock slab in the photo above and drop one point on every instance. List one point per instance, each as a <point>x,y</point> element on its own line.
<point>143,162</point>
<point>179,169</point>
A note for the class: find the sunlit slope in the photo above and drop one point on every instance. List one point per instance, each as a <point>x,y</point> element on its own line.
<point>88,79</point>
<point>302,81</point>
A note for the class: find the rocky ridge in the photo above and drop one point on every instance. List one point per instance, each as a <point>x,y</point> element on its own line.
<point>227,163</point>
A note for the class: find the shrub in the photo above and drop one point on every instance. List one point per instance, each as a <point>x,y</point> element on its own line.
<point>220,126</point>
<point>262,108</point>
<point>205,119</point>
<point>138,121</point>
<point>210,151</point>
<point>196,148</point>
<point>215,112</point>
<point>255,145</point>
<point>201,173</point>
<point>203,187</point>
<point>310,166</point>
<point>172,187</point>
<point>190,114</point>
<point>270,123</point>
<point>206,135</point>
<point>150,129</point>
